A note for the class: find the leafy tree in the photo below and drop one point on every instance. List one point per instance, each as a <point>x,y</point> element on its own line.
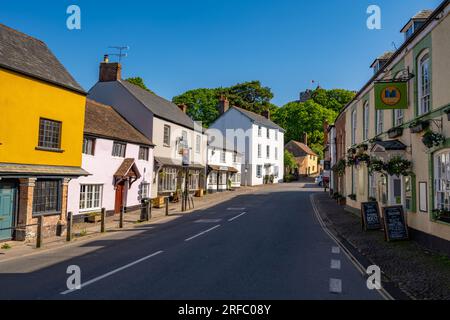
<point>138,81</point>
<point>202,103</point>
<point>289,161</point>
<point>334,99</point>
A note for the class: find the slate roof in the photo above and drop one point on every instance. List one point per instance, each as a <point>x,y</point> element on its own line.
<point>421,15</point>
<point>14,169</point>
<point>103,121</point>
<point>391,145</point>
<point>29,56</point>
<point>259,119</point>
<point>385,56</point>
<point>124,169</point>
<point>160,107</point>
<point>299,149</point>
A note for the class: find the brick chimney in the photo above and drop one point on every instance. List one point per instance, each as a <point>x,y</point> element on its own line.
<point>224,104</point>
<point>305,138</point>
<point>110,71</point>
<point>266,114</point>
<point>325,131</point>
<point>183,107</point>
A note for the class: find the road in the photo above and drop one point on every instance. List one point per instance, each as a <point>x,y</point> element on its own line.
<point>264,245</point>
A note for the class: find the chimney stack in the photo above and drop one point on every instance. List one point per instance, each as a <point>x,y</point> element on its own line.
<point>109,71</point>
<point>224,104</point>
<point>183,107</point>
<point>305,138</point>
<point>266,114</point>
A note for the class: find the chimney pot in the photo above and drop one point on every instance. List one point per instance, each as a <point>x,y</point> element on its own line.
<point>266,114</point>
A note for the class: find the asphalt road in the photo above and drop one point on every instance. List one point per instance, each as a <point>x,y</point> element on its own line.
<point>266,245</point>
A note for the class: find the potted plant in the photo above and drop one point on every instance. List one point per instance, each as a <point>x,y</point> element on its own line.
<point>271,178</point>
<point>372,199</point>
<point>352,197</point>
<point>395,132</point>
<point>342,201</point>
<point>432,139</point>
<point>419,126</point>
<point>363,147</point>
<point>339,167</point>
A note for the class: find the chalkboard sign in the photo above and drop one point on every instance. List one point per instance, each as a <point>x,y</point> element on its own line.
<point>395,224</point>
<point>370,213</point>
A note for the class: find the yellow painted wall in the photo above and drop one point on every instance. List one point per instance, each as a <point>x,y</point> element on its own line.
<point>23,101</point>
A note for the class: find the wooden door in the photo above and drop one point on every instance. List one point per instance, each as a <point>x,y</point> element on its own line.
<point>7,204</point>
<point>119,197</point>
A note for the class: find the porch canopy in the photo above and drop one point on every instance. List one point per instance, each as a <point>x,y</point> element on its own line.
<point>388,148</point>
<point>128,170</point>
<point>217,168</point>
<point>169,162</point>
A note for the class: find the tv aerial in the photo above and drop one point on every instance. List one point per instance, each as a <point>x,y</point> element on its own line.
<point>121,52</point>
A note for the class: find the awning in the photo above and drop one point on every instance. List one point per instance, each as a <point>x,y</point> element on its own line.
<point>27,170</point>
<point>388,145</point>
<point>128,170</point>
<point>222,168</point>
<point>169,162</point>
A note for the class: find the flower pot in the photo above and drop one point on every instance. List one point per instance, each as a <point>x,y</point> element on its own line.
<point>419,127</point>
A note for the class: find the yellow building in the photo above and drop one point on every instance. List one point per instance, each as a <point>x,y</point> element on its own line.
<point>306,159</point>
<point>41,135</point>
<point>410,142</point>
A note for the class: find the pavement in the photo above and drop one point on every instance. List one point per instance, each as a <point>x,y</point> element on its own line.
<point>265,243</point>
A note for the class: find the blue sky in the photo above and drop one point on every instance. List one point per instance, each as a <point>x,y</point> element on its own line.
<point>180,45</point>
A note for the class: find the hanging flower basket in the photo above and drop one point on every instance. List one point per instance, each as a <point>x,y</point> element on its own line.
<point>432,139</point>
<point>339,167</point>
<point>398,166</point>
<point>376,165</point>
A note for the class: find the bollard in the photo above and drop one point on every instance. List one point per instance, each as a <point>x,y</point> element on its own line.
<point>122,213</point>
<point>103,222</point>
<point>167,206</point>
<point>149,210</point>
<point>69,226</point>
<point>39,232</point>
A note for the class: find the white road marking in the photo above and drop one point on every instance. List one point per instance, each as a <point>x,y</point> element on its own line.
<point>336,264</point>
<point>208,221</point>
<point>113,272</point>
<point>335,286</point>
<point>336,250</point>
<point>236,209</point>
<point>202,233</point>
<point>232,219</point>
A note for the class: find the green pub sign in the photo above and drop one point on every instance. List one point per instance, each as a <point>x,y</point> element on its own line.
<point>391,95</point>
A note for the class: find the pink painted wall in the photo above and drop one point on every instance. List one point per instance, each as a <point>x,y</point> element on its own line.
<point>102,166</point>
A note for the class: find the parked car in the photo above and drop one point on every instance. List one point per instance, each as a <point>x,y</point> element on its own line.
<point>319,180</point>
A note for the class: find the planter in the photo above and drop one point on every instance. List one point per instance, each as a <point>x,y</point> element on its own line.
<point>445,219</point>
<point>419,126</point>
<point>158,202</point>
<point>342,201</point>
<point>395,133</point>
<point>199,193</point>
<point>94,218</point>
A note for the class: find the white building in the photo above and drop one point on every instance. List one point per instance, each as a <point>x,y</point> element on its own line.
<point>258,139</point>
<point>120,160</point>
<point>161,121</point>
<point>224,166</point>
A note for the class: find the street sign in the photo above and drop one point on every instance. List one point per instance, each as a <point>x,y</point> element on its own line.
<point>370,214</point>
<point>186,157</point>
<point>395,227</point>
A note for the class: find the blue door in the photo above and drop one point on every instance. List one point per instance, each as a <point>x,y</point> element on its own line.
<point>7,204</point>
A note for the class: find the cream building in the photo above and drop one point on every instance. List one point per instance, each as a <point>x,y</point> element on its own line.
<point>423,62</point>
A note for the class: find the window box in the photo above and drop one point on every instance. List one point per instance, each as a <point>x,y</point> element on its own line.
<point>441,215</point>
<point>395,133</point>
<point>418,127</point>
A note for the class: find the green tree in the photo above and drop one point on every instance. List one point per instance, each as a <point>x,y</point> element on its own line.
<point>202,103</point>
<point>289,161</point>
<point>138,81</point>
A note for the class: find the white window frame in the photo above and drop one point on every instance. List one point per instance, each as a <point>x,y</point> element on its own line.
<point>442,180</point>
<point>424,87</point>
<point>168,183</point>
<point>166,135</point>
<point>89,146</point>
<point>268,152</point>
<point>259,131</point>
<point>354,119</point>
<point>259,171</point>
<point>259,151</point>
<point>380,122</point>
<point>366,120</point>
<point>88,204</point>
<point>276,153</point>
<point>223,156</point>
<point>198,143</point>
<point>119,149</point>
